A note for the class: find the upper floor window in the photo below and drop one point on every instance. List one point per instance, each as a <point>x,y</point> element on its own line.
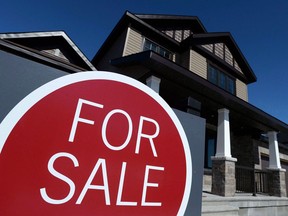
<point>221,79</point>
<point>149,45</point>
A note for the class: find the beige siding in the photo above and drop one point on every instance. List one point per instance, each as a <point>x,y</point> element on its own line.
<point>241,90</point>
<point>228,56</point>
<point>186,34</point>
<point>169,33</point>
<point>208,47</point>
<point>219,50</point>
<point>173,57</point>
<point>198,64</point>
<point>133,43</point>
<point>56,52</point>
<point>223,52</point>
<point>178,35</point>
<point>237,67</point>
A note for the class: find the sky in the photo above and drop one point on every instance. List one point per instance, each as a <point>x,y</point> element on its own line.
<point>259,27</point>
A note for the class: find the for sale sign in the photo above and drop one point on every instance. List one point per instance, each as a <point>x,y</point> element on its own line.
<point>93,143</point>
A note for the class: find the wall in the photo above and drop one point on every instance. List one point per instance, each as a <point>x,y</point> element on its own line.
<point>198,64</point>
<point>133,43</point>
<point>241,90</point>
<point>189,59</point>
<point>223,52</point>
<point>19,77</point>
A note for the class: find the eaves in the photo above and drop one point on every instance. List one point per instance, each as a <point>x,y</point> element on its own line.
<point>39,57</point>
<point>167,69</point>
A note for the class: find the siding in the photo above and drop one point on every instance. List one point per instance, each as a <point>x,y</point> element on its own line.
<point>177,34</point>
<point>228,57</point>
<point>237,67</point>
<point>198,64</point>
<point>133,42</point>
<point>208,47</point>
<point>219,50</point>
<point>223,52</point>
<point>241,90</point>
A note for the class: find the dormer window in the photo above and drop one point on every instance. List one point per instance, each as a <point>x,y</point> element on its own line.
<point>149,45</point>
<point>221,79</point>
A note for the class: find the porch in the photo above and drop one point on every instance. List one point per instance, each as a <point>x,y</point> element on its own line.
<point>248,182</point>
<point>243,204</point>
<point>252,196</point>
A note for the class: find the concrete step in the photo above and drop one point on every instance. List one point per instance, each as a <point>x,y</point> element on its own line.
<point>243,205</point>
<point>209,209</point>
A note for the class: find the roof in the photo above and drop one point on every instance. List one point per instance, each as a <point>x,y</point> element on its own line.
<point>53,46</point>
<point>131,19</point>
<point>152,24</point>
<point>170,21</point>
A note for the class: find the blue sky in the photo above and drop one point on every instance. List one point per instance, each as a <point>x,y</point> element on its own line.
<point>260,28</point>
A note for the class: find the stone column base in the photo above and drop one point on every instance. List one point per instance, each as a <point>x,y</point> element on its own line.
<point>223,176</point>
<point>277,183</point>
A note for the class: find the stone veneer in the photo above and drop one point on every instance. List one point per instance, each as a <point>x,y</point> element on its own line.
<point>223,176</point>
<point>277,184</point>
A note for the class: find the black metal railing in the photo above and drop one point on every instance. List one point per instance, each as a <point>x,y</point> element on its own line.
<point>249,180</point>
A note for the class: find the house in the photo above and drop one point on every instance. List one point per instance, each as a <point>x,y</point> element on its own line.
<point>207,75</point>
<point>30,59</point>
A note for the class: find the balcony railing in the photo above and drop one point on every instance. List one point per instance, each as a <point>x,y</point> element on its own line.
<point>249,180</point>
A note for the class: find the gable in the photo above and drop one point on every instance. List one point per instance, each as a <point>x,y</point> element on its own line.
<point>222,51</point>
<point>55,52</point>
<point>222,48</point>
<point>178,34</point>
<point>173,22</point>
<point>177,27</point>
<point>56,45</point>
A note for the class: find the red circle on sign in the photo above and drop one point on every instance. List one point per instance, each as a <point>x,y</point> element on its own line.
<point>93,143</point>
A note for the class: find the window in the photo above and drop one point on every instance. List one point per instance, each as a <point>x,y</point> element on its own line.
<point>221,79</point>
<point>210,147</point>
<point>149,45</point>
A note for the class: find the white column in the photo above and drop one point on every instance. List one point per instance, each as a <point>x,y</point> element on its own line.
<point>223,148</point>
<point>274,158</point>
<point>154,83</point>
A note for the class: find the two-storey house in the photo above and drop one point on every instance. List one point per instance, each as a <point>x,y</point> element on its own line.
<point>204,74</point>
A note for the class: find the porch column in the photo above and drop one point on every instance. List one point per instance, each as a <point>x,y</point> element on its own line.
<point>223,148</point>
<point>274,158</point>
<point>277,181</point>
<point>154,83</point>
<point>223,165</point>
